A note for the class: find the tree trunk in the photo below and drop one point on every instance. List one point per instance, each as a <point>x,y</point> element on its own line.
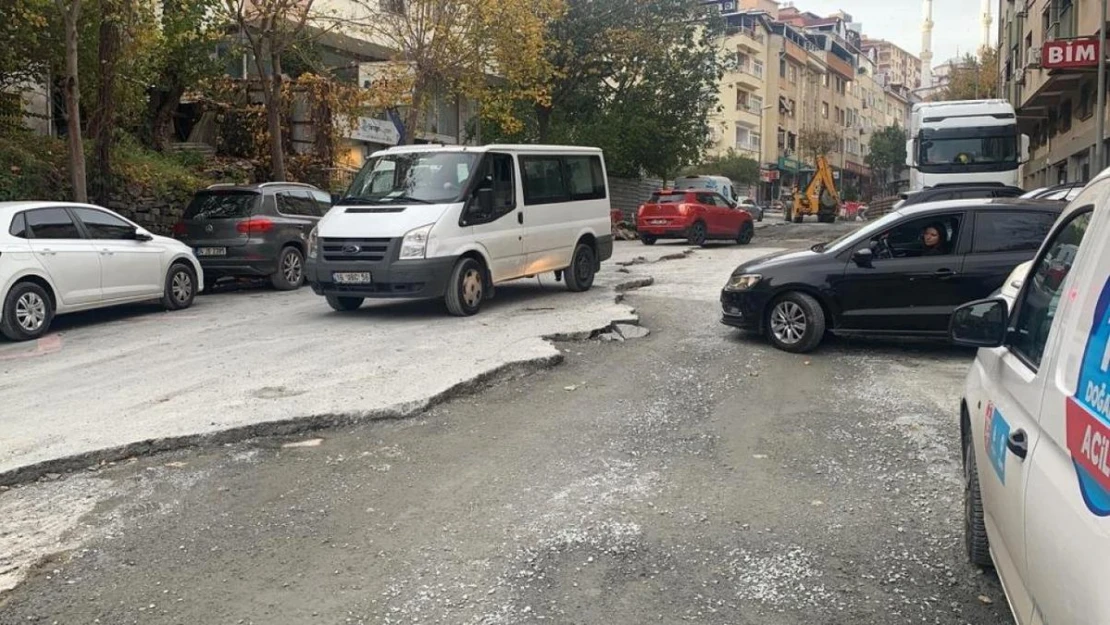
<point>70,14</point>
<point>413,116</point>
<point>102,125</point>
<point>543,122</point>
<point>273,120</point>
<point>164,108</point>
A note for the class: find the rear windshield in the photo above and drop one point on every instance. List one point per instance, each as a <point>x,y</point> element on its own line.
<point>221,205</point>
<point>667,198</point>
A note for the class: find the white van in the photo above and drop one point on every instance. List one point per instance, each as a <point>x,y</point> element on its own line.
<point>433,221</point>
<point>1035,424</point>
<point>720,184</point>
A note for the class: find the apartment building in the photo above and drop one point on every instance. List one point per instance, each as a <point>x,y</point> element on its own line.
<point>898,66</point>
<point>744,101</point>
<point>1051,84</point>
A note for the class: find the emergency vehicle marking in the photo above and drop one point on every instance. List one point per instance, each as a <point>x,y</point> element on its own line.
<point>1088,413</point>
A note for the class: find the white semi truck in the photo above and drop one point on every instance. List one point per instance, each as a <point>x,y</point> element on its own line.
<point>965,142</point>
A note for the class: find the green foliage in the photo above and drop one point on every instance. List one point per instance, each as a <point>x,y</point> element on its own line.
<point>740,169</point>
<point>814,142</point>
<point>972,78</point>
<point>154,174</point>
<point>637,78</point>
<point>26,44</point>
<point>887,154</point>
<point>32,167</point>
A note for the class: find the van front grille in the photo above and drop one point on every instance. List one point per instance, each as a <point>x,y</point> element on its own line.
<point>355,250</point>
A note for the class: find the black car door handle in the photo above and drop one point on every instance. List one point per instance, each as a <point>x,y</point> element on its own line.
<point>944,273</point>
<point>1018,443</point>
<point>520,217</point>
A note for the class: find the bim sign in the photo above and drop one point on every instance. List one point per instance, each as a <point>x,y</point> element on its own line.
<point>1070,54</point>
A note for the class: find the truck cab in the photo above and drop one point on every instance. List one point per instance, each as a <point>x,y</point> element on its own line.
<point>965,142</point>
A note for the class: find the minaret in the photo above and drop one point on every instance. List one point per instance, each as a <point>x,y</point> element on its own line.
<point>927,45</point>
<point>985,42</point>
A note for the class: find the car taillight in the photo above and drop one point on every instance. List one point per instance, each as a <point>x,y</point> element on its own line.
<point>683,209</point>
<point>179,228</point>
<point>254,226</point>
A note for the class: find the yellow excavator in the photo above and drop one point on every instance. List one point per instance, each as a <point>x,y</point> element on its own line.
<point>820,197</point>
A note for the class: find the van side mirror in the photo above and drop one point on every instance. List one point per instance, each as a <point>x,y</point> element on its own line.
<point>863,257</point>
<point>981,323</point>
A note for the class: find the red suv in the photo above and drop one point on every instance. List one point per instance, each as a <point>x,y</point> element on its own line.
<point>697,216</point>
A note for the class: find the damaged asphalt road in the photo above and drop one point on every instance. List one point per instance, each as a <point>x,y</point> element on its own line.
<point>691,475</point>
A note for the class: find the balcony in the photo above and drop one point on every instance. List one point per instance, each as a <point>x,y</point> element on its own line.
<point>840,66</point>
<point>747,78</point>
<point>750,39</point>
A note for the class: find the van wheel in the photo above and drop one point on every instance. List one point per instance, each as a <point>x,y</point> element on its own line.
<point>796,323</point>
<point>583,268</point>
<point>697,235</point>
<point>28,311</point>
<point>975,528</point>
<point>181,287</point>
<point>290,272</point>
<point>747,231</point>
<point>466,289</point>
<point>647,239</point>
<point>344,304</point>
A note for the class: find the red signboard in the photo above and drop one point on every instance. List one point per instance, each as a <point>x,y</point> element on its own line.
<point>1070,54</point>
<point>768,175</point>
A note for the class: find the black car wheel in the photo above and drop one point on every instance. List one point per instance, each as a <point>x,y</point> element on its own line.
<point>290,273</point>
<point>28,311</point>
<point>975,527</point>
<point>583,268</point>
<point>698,234</point>
<point>647,239</point>
<point>747,231</point>
<point>344,304</point>
<point>181,287</point>
<point>466,289</point>
<point>796,323</point>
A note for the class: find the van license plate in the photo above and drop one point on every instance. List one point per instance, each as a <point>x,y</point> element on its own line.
<point>211,251</point>
<point>352,277</point>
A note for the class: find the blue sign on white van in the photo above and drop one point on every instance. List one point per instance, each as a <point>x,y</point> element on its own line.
<point>1088,413</point>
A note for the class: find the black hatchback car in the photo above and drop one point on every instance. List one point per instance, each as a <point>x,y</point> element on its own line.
<point>253,230</point>
<point>882,279</point>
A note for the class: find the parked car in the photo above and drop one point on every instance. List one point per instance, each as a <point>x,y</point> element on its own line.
<point>253,230</point>
<point>697,216</point>
<point>453,222</point>
<point>1035,424</point>
<point>1063,192</point>
<point>943,192</point>
<point>750,205</point>
<point>58,258</point>
<point>880,280</point>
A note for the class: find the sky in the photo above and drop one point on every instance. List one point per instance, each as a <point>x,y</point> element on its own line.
<point>956,23</point>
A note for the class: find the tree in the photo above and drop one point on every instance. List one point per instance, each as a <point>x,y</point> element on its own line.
<point>732,165</point>
<point>887,154</point>
<point>115,16</point>
<point>972,78</point>
<point>71,13</point>
<point>814,142</point>
<point>25,42</point>
<point>270,28</point>
<point>183,59</point>
<point>637,78</point>
<point>457,47</point>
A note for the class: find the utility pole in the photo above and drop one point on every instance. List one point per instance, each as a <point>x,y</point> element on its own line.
<point>1100,107</point>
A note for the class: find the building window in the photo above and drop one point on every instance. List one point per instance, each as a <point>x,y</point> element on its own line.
<point>825,110</point>
<point>793,108</point>
<point>742,99</point>
<point>394,6</point>
<point>782,68</point>
<point>793,74</point>
<point>1086,105</point>
<point>757,68</point>
<point>742,61</point>
<point>755,104</point>
<point>825,80</point>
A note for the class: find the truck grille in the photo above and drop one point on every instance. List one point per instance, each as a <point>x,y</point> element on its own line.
<point>355,250</point>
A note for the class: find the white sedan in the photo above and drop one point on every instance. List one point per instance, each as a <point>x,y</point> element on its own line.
<point>57,258</point>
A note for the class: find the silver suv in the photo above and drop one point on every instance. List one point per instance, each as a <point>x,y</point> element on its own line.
<point>253,230</point>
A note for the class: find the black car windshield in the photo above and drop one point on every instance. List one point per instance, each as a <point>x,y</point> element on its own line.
<point>424,177</point>
<point>863,234</point>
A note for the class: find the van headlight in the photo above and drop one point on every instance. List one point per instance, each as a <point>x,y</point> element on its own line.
<point>311,243</point>
<point>415,243</point>
<point>743,281</point>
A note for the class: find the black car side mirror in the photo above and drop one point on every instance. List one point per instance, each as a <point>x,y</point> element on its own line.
<point>863,257</point>
<point>982,323</point>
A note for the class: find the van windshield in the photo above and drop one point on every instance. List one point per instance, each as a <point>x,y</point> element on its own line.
<point>424,177</point>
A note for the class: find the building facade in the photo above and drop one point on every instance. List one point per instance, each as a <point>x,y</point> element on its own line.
<point>1055,102</point>
<point>898,66</point>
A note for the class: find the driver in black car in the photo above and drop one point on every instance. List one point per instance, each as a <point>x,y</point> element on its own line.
<point>935,238</point>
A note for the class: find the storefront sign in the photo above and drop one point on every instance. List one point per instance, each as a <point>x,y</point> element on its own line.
<point>1070,54</point>
<point>768,175</point>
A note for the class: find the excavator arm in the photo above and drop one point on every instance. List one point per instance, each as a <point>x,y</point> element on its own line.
<point>820,197</point>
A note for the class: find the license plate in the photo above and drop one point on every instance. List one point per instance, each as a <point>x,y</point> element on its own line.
<point>352,277</point>
<point>211,251</point>
<point>658,222</point>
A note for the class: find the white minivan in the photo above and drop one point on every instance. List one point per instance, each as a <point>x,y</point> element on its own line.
<point>451,222</point>
<point>1035,424</point>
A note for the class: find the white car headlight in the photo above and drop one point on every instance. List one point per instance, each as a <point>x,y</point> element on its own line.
<point>415,243</point>
<point>743,281</point>
<point>311,243</point>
